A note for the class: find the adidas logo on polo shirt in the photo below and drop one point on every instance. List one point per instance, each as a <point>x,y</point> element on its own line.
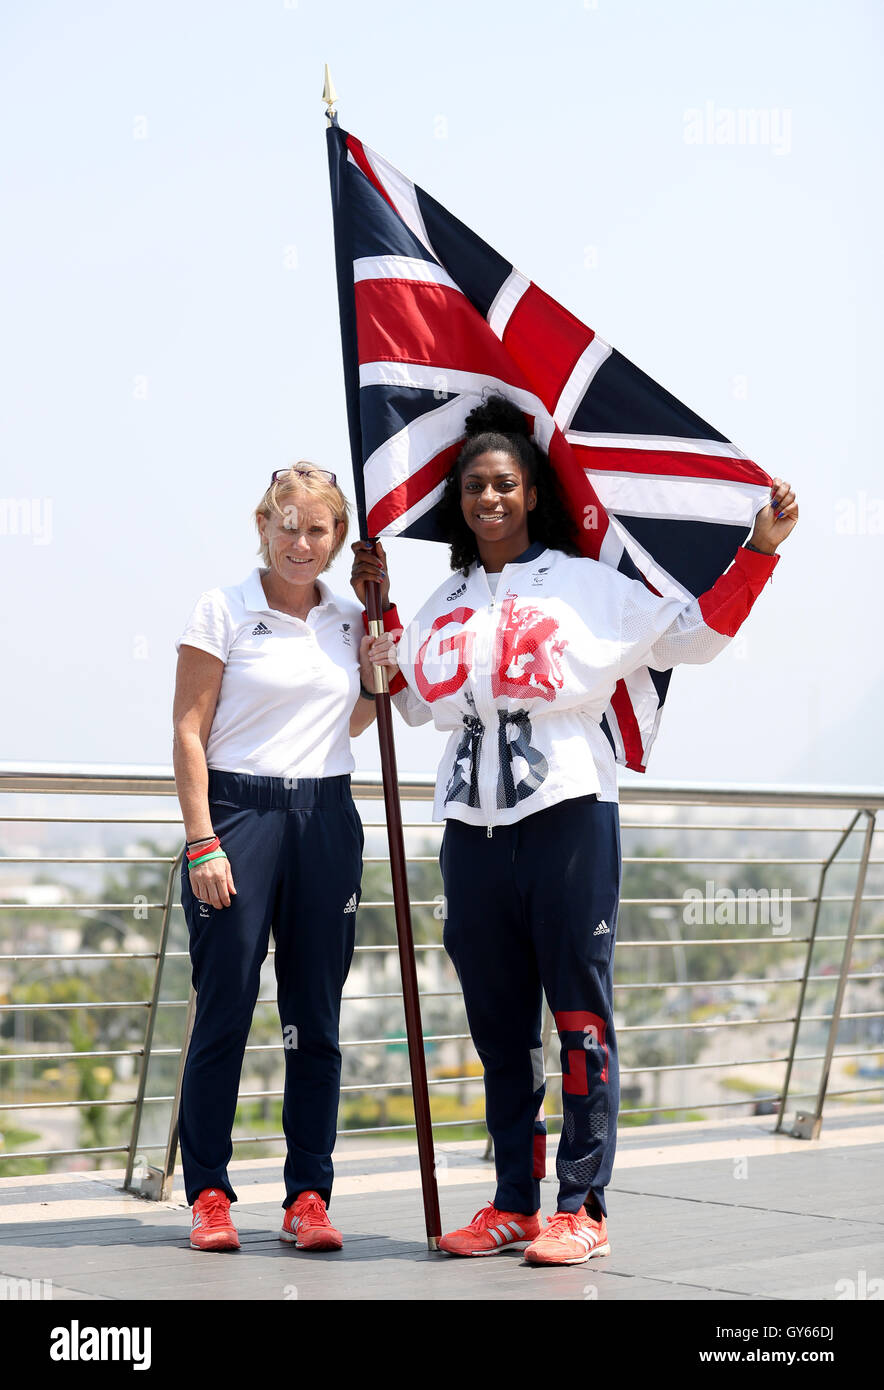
<point>351,904</point>
<point>601,928</point>
<point>289,684</point>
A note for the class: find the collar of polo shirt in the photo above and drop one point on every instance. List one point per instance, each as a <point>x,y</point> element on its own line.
<point>255,598</point>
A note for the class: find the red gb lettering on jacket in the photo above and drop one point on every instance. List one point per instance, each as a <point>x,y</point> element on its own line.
<point>527,657</point>
<point>461,642</point>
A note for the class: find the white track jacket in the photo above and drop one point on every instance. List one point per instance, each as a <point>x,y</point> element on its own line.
<point>521,679</point>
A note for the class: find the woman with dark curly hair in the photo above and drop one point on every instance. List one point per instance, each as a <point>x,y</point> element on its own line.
<point>518,658</point>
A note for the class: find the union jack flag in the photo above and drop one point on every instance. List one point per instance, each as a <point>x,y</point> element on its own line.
<point>433,319</point>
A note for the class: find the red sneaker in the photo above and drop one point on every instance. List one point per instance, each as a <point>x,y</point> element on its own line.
<point>212,1227</point>
<point>570,1238</point>
<point>306,1224</point>
<point>491,1231</point>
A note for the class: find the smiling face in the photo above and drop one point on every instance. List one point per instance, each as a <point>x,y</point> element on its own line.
<point>495,503</point>
<point>300,542</point>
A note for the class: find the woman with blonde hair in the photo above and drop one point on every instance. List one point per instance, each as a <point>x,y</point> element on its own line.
<point>271,686</point>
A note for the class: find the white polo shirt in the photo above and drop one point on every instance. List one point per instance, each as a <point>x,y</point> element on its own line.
<point>289,684</point>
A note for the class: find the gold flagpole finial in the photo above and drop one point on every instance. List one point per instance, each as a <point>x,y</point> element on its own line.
<point>329,95</point>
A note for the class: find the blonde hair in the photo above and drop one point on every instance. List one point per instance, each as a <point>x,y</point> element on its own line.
<point>306,482</point>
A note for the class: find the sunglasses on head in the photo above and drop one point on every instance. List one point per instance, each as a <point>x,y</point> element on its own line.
<point>303,473</point>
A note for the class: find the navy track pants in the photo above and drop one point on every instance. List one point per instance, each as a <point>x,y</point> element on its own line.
<point>296,857</point>
<point>533,908</point>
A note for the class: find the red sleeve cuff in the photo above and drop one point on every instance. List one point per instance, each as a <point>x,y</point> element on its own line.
<point>728,603</point>
<point>392,623</point>
<point>757,567</point>
<point>391,619</point>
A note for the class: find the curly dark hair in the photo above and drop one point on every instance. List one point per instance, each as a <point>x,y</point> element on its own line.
<point>499,424</point>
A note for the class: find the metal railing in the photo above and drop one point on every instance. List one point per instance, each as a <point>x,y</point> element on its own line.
<point>860,804</point>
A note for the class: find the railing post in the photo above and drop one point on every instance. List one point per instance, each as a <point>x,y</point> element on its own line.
<point>808,1125</point>
<point>147,1176</point>
<point>799,1007</point>
<point>168,1172</point>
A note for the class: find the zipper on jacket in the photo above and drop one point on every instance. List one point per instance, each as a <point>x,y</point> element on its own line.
<point>487,771</point>
<point>489,749</point>
<point>489,711</point>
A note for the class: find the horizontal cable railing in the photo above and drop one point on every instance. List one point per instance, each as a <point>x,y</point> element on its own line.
<point>646,907</point>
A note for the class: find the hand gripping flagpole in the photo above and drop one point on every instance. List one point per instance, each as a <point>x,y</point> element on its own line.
<point>396,840</point>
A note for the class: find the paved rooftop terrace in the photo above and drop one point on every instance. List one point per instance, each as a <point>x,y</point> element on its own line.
<point>720,1210</point>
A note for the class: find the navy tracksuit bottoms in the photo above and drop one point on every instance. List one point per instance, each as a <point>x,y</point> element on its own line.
<point>295,853</point>
<point>533,908</point>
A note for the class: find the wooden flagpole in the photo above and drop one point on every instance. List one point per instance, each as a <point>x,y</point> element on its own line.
<point>402,909</point>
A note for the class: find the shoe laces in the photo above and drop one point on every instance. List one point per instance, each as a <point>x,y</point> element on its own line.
<point>487,1216</point>
<point>564,1223</point>
<point>313,1213</point>
<point>215,1208</point>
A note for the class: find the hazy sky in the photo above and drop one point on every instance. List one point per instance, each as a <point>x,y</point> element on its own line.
<point>170,323</point>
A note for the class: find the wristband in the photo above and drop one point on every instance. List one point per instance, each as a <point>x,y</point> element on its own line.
<point>367,694</point>
<point>390,617</point>
<point>747,545</point>
<point>392,623</point>
<point>215,854</point>
<point>213,843</point>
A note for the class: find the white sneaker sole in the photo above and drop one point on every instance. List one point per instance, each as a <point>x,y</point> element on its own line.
<point>220,1246</point>
<point>293,1240</point>
<point>498,1249</point>
<point>578,1259</point>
